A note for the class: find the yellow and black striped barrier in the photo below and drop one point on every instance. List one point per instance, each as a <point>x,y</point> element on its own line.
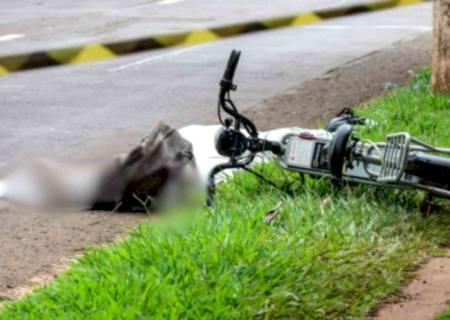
<point>98,51</point>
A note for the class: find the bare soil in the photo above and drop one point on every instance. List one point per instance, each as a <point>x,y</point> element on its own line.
<point>425,297</point>
<point>35,246</point>
<point>351,84</point>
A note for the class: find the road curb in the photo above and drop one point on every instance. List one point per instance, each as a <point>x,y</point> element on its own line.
<point>103,51</point>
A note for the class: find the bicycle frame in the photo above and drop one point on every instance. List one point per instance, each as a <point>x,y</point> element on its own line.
<point>401,162</point>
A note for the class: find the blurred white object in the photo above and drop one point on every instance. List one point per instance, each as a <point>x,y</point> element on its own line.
<point>161,167</point>
<point>44,182</point>
<point>159,171</point>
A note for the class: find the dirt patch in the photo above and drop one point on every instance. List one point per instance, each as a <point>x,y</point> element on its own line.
<point>425,297</point>
<point>35,246</point>
<point>348,85</point>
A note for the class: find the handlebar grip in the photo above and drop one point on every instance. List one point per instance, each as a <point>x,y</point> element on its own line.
<point>429,167</point>
<point>228,75</point>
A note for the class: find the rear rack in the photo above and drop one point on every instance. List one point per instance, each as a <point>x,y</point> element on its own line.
<point>395,157</point>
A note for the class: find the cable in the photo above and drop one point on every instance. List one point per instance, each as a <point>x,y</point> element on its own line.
<point>260,176</point>
<point>374,145</point>
<point>365,165</point>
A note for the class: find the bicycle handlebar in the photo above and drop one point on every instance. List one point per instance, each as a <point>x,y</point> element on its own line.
<point>226,83</point>
<point>429,167</point>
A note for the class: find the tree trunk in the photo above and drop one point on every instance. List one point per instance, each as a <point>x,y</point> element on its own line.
<point>441,47</point>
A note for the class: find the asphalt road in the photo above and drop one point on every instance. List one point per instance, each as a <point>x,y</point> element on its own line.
<point>38,24</point>
<point>55,111</point>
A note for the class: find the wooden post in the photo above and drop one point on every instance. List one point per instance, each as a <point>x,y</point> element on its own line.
<point>440,80</point>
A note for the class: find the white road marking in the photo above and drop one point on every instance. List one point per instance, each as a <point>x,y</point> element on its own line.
<point>318,27</point>
<point>9,37</point>
<point>165,2</point>
<point>154,58</point>
<point>3,189</point>
<point>385,27</point>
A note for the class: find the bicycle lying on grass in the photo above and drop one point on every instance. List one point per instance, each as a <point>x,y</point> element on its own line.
<point>401,161</point>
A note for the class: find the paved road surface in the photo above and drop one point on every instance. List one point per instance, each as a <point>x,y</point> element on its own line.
<point>38,24</point>
<point>49,112</point>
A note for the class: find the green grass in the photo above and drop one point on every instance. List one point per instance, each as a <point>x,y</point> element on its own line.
<point>444,316</point>
<point>330,254</point>
<point>414,109</point>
